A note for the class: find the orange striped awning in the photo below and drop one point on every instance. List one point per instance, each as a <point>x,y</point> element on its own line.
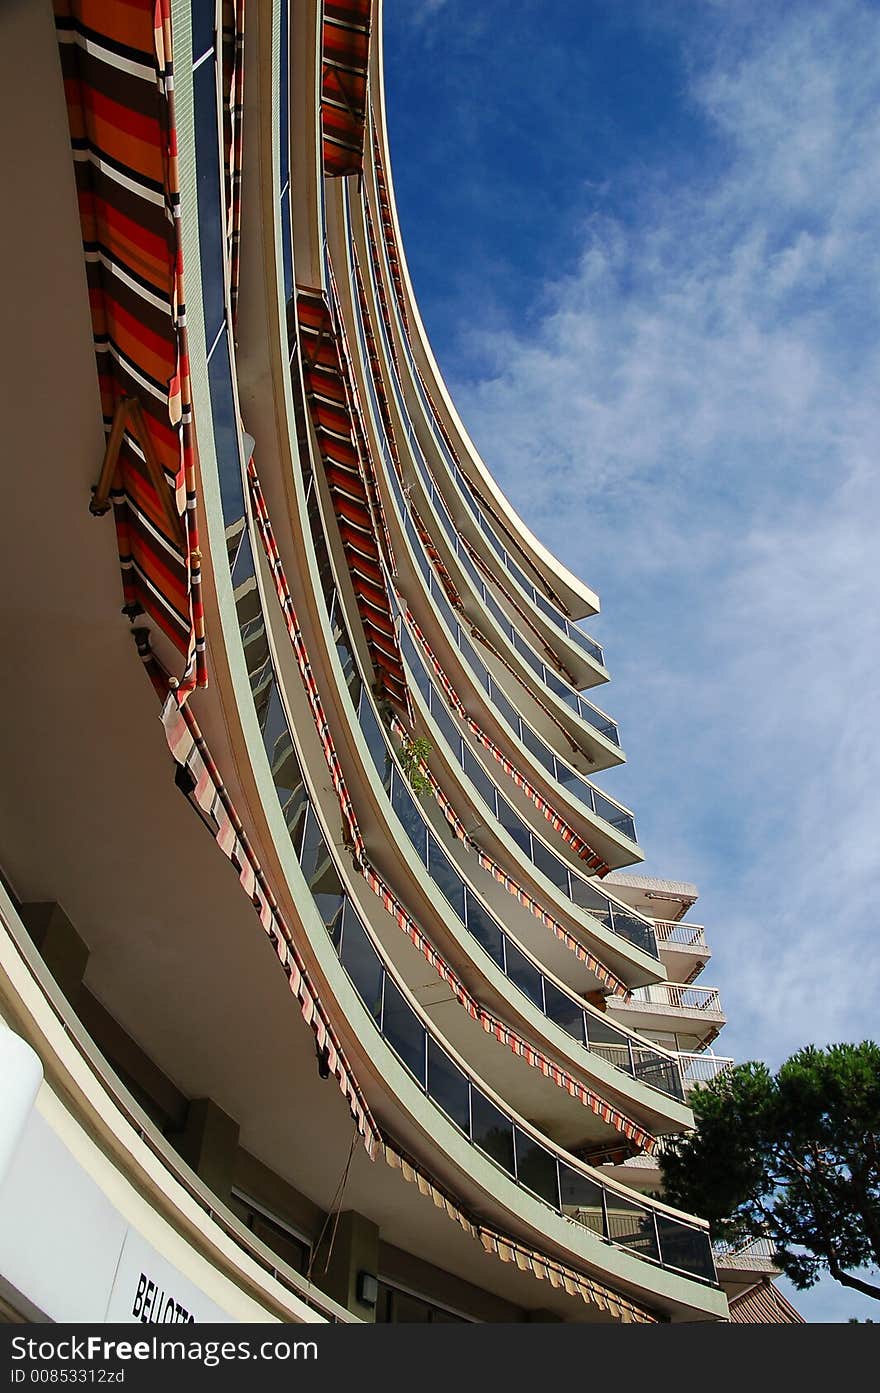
<point>345,49</point>
<point>329,401</point>
<point>118,81</point>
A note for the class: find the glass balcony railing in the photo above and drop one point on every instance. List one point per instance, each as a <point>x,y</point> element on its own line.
<point>585,894</point>
<point>588,1027</point>
<point>532,1162</point>
<point>593,799</point>
<point>550,611</point>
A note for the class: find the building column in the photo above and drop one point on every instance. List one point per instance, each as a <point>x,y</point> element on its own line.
<point>62,950</point>
<point>349,1275</point>
<point>208,1143</point>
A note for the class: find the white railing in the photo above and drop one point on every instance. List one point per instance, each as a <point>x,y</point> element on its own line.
<point>706,1000</point>
<point>700,1068</point>
<point>688,935</point>
<point>754,1252</point>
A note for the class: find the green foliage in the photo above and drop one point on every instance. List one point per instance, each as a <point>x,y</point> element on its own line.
<point>414,753</point>
<point>793,1157</point>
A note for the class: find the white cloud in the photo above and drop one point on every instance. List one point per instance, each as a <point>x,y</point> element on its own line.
<point>692,423</point>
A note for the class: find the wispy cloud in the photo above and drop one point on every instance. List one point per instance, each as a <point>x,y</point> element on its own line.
<point>691,420</point>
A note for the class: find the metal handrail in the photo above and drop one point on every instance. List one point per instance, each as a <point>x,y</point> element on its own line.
<point>674,931</point>
<point>706,999</point>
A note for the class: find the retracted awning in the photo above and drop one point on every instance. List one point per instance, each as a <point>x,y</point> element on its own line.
<point>119,89</point>
<point>329,401</point>
<point>345,48</point>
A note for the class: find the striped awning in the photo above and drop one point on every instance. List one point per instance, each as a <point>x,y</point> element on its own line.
<point>345,49</point>
<point>329,396</point>
<point>558,1274</point>
<point>639,1138</point>
<point>118,81</point>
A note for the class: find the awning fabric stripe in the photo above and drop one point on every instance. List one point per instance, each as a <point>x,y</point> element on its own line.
<point>492,1024</point>
<point>581,848</point>
<point>206,791</point>
<point>118,81</point>
<point>557,1273</point>
<point>345,50</point>
<point>345,468</point>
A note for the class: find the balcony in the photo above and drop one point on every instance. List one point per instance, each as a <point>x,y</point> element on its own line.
<point>702,1068</point>
<point>683,948</point>
<point>693,1014</point>
<point>754,1255</point>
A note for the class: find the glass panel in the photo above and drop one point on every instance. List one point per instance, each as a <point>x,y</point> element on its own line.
<point>512,824</point>
<point>524,974</point>
<point>329,896</point>
<point>208,195</point>
<point>403,804</point>
<point>548,862</point>
<point>445,876</point>
<point>375,739</point>
<point>404,1031</point>
<point>500,702</point>
<point>361,963</point>
<point>685,1248</point>
<point>608,1042</point>
<point>536,1168</point>
<point>484,929</point>
<point>590,899</point>
<point>204,19</point>
<point>479,778</point>
<point>225,427</point>
<point>581,1198</point>
<point>631,1225</point>
<point>448,1086</point>
<point>447,725</point>
<point>492,1131</point>
<point>565,1012</point>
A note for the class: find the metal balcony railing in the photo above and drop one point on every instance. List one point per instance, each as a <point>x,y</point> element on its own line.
<point>702,1068</point>
<point>687,935</point>
<point>759,1253</point>
<point>706,1000</point>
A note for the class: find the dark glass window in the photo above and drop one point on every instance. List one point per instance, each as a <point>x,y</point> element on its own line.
<point>581,1198</point>
<point>492,1131</point>
<point>361,962</point>
<point>536,1168</point>
<point>445,876</point>
<point>211,234</point>
<point>479,778</point>
<point>413,824</point>
<point>484,929</point>
<point>685,1248</point>
<point>631,1226</point>
<point>548,862</point>
<point>524,974</point>
<point>448,1086</point>
<point>226,436</point>
<point>565,1012</point>
<point>404,1031</point>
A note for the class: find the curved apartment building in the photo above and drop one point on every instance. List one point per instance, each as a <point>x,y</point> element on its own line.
<point>325,992</point>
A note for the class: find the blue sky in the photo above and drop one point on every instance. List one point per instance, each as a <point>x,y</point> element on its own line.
<point>645,243</point>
